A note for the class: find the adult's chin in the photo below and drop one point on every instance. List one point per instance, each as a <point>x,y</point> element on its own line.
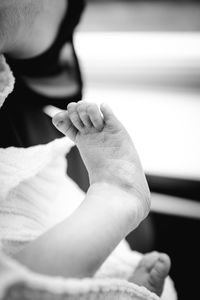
<point>6,80</point>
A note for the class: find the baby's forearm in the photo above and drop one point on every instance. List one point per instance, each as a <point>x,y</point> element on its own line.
<point>79,245</point>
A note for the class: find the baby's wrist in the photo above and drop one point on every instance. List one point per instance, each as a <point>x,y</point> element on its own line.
<point>125,205</point>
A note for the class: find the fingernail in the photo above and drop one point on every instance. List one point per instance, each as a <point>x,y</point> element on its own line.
<point>59,124</point>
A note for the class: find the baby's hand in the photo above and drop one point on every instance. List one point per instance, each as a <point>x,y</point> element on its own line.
<point>106,149</point>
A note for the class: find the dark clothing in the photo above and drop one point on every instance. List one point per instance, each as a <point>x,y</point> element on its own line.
<point>22,120</point>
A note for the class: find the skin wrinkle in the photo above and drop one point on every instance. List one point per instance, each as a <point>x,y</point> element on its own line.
<point>131,184</point>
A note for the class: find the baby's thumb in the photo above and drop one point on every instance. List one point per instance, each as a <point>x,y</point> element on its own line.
<point>62,122</point>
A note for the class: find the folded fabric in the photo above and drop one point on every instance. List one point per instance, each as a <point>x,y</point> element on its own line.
<point>35,192</point>
<point>18,283</point>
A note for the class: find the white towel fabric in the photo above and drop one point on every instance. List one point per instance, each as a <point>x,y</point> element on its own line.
<point>18,283</point>
<point>35,194</point>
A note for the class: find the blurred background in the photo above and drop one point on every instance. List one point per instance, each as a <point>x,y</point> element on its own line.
<point>143,58</point>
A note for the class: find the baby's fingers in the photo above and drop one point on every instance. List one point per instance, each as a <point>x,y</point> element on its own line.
<point>63,123</point>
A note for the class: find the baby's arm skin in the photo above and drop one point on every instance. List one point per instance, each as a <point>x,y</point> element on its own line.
<point>80,244</point>
<point>117,201</point>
